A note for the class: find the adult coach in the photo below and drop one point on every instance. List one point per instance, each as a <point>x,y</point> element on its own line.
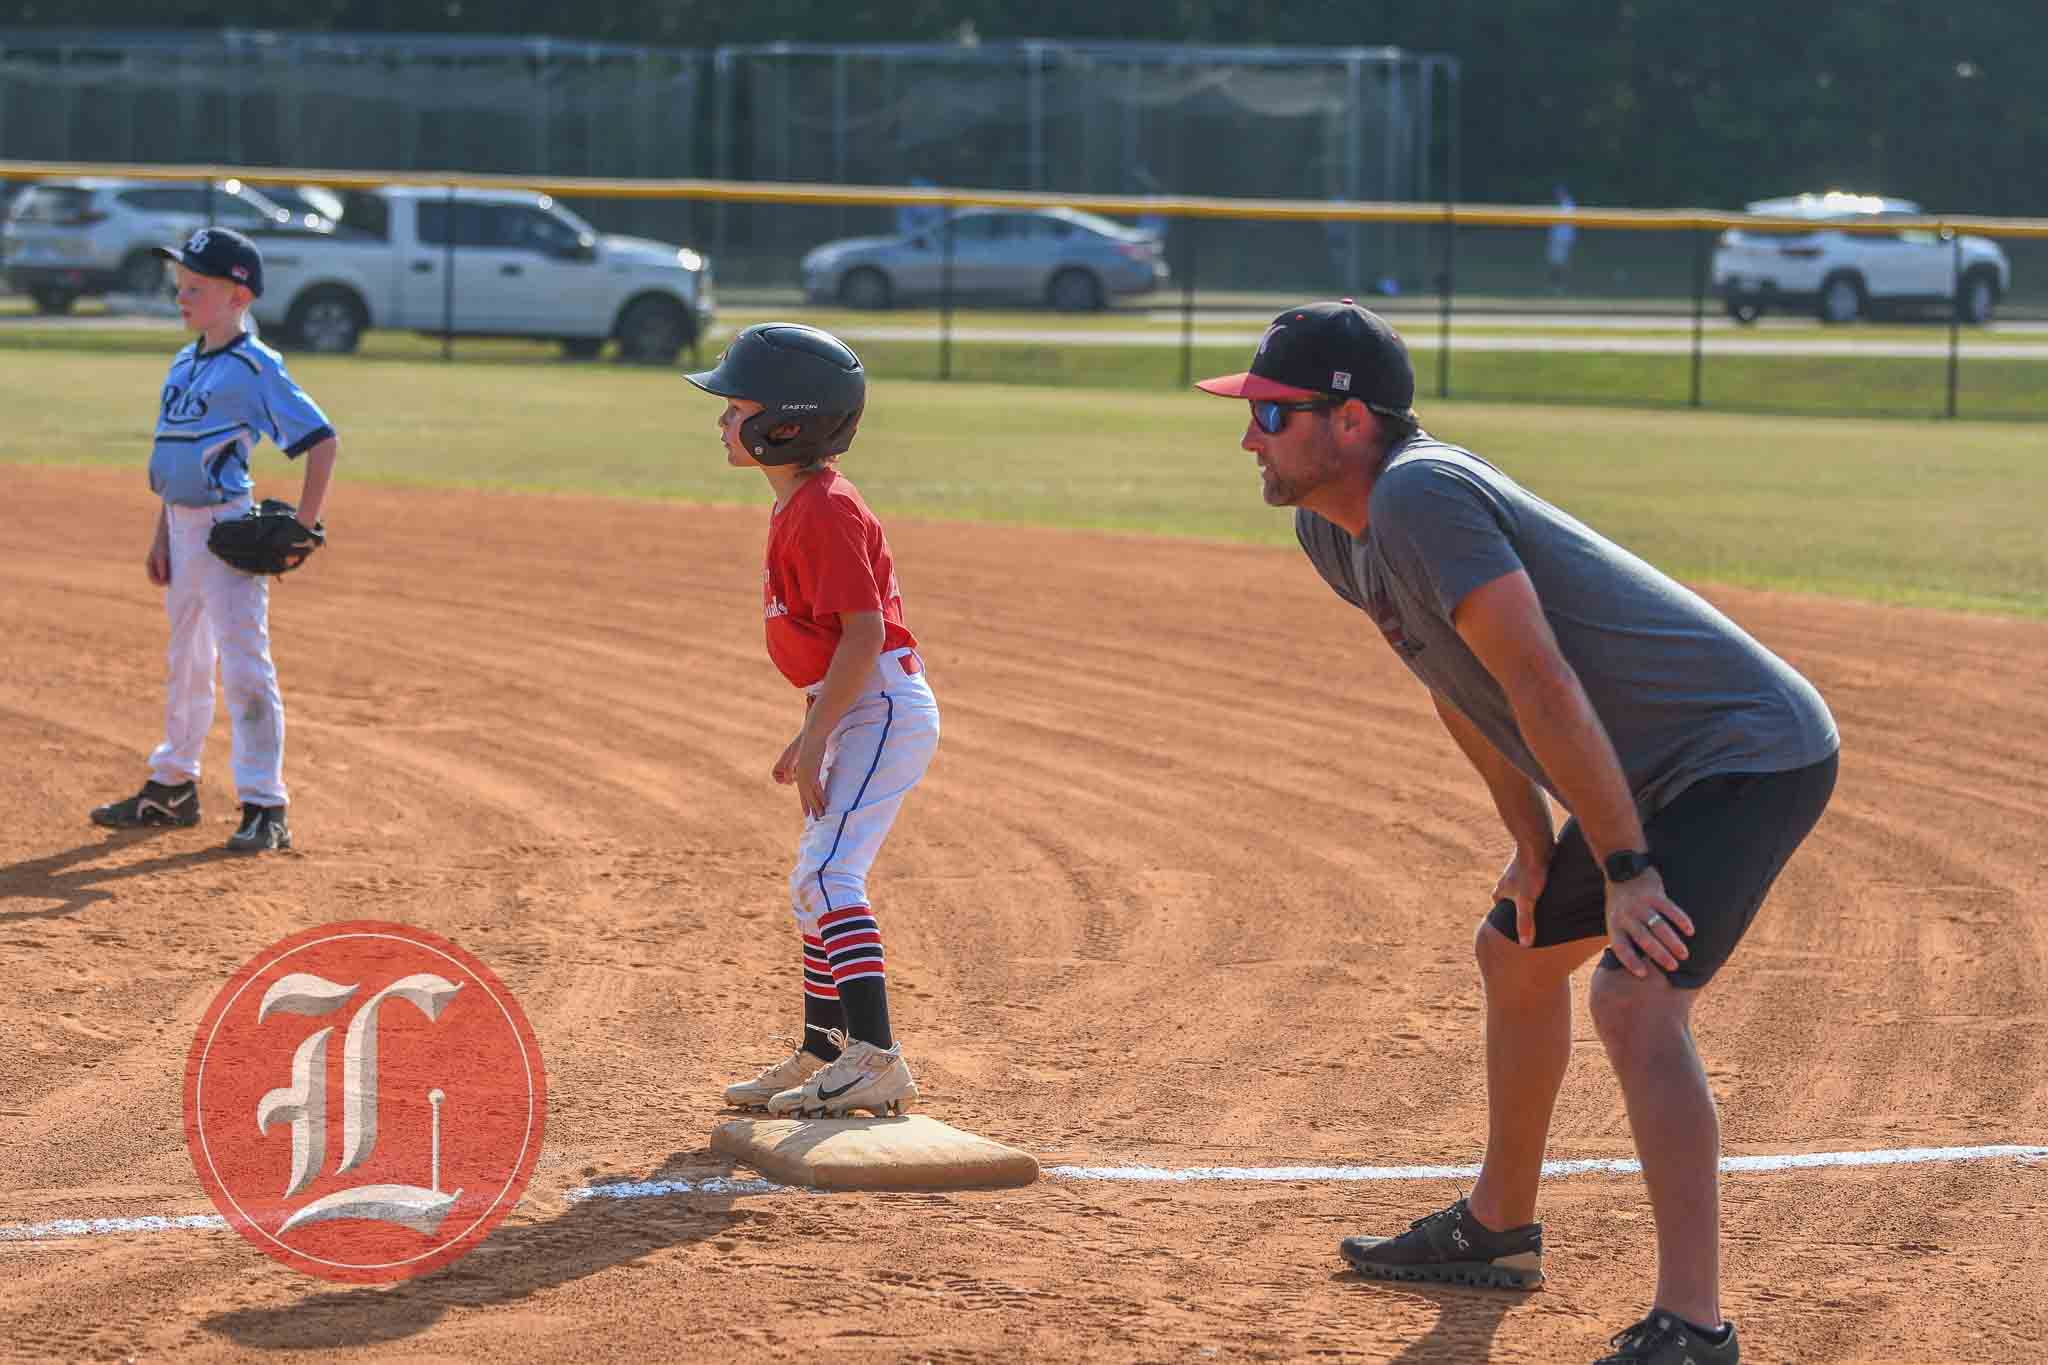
<point>1692,761</point>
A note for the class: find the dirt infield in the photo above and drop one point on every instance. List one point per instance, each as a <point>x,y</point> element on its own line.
<point>1193,883</point>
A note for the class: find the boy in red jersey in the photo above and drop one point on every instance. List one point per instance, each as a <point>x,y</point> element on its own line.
<point>835,628</point>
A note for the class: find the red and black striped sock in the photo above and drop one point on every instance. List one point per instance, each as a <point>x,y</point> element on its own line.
<point>853,950</point>
<point>823,1010</point>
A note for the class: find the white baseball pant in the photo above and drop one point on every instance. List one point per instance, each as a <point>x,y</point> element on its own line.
<point>875,755</point>
<point>219,614</point>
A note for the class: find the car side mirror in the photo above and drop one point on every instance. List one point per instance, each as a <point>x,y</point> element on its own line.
<point>582,249</point>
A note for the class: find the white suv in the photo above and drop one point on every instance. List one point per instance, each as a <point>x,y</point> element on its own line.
<point>1842,276</point>
<point>474,262</point>
<point>64,239</point>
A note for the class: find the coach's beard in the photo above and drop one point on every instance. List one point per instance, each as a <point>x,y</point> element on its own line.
<point>1281,491</point>
<point>1277,491</point>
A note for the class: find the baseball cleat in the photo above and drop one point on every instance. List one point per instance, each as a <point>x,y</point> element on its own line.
<point>865,1077</point>
<point>263,830</point>
<point>1452,1247</point>
<point>789,1073</point>
<point>156,806</point>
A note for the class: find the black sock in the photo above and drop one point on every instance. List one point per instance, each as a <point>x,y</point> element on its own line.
<point>1714,1336</point>
<point>867,1010</point>
<point>820,1015</point>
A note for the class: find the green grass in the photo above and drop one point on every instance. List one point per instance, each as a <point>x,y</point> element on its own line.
<point>1932,513</point>
<point>1818,385</point>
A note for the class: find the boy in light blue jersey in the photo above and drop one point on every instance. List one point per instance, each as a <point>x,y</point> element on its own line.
<point>226,392</point>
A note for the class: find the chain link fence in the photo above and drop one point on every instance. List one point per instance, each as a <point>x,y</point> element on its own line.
<point>1630,319</point>
<point>1514,304</point>
<point>1092,118</point>
<point>518,106</point>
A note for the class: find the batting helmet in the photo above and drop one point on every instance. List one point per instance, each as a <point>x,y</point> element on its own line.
<point>800,376</point>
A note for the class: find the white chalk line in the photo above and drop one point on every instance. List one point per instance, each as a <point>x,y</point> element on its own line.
<point>1902,1156</point>
<point>64,1228</point>
<point>659,1189</point>
<point>99,1227</point>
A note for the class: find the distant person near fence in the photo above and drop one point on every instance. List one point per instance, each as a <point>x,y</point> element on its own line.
<point>1557,245</point>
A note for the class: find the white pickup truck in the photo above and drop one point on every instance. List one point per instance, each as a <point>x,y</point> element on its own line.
<point>481,263</point>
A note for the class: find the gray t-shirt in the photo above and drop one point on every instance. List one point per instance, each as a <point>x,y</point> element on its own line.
<point>1684,692</point>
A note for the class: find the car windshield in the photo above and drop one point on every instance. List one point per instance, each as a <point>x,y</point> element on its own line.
<point>1832,205</point>
<point>317,199</point>
<point>256,200</point>
<point>552,206</point>
<point>51,204</point>
<point>1104,226</point>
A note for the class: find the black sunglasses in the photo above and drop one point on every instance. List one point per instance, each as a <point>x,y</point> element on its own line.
<point>1271,413</point>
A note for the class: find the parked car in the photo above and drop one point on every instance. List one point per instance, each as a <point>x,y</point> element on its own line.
<point>1842,276</point>
<point>481,263</point>
<point>1071,260</point>
<point>67,239</point>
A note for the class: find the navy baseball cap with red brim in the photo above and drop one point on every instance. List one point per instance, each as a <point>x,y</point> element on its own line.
<point>1327,350</point>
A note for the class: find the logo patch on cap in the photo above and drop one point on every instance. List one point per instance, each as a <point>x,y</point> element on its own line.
<point>240,272</point>
<point>1340,380</point>
<point>199,242</point>
<point>1270,331</point>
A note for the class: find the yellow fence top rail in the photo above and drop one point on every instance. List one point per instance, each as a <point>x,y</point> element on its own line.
<point>1170,206</point>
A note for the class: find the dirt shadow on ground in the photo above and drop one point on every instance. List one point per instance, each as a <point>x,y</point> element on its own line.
<point>1467,1320</point>
<point>59,878</point>
<point>591,1235</point>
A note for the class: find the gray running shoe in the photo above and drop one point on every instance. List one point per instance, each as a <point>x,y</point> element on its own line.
<point>1452,1247</point>
<point>1667,1339</point>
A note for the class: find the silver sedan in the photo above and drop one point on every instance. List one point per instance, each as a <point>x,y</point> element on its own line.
<point>1070,260</point>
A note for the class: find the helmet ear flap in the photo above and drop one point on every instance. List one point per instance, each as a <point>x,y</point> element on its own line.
<point>840,438</point>
<point>756,434</point>
<point>813,441</point>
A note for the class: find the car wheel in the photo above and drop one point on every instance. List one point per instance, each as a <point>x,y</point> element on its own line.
<point>1074,291</point>
<point>866,288</point>
<point>1980,297</point>
<point>329,321</point>
<point>53,301</point>
<point>142,273</point>
<point>1841,299</point>
<point>653,331</point>
<point>581,348</point>
<point>1745,310</point>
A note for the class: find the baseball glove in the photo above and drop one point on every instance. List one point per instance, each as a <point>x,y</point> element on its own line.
<point>267,539</point>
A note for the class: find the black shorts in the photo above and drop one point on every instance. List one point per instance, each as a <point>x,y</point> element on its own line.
<point>1718,846</point>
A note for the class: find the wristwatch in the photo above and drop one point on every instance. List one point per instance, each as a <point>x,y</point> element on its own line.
<point>1627,865</point>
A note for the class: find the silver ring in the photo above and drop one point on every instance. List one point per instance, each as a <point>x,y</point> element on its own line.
<point>1656,918</point>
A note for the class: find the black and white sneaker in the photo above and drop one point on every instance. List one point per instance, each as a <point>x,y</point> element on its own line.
<point>156,806</point>
<point>263,830</point>
<point>1452,1247</point>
